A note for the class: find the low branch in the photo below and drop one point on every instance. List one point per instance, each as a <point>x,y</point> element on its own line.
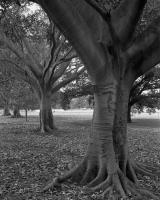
<point>136,85</point>
<point>59,72</point>
<point>145,50</point>
<point>65,82</point>
<point>62,61</point>
<point>143,97</point>
<point>125,18</point>
<point>64,64</point>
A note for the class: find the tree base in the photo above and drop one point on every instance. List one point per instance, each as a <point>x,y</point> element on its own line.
<point>48,130</point>
<point>115,185</point>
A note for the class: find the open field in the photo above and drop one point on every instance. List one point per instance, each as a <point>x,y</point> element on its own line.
<point>28,159</point>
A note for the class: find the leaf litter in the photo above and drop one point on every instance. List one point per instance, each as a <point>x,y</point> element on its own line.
<point>29,160</point>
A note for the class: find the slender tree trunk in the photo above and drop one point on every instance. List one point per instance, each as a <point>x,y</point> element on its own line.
<point>46,115</point>
<point>26,115</point>
<point>6,111</point>
<point>16,112</point>
<point>129,120</point>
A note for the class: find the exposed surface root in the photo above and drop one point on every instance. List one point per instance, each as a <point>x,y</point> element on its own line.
<point>141,193</point>
<point>130,172</point>
<point>95,176</point>
<point>88,176</point>
<point>99,178</point>
<point>146,170</point>
<point>75,175</point>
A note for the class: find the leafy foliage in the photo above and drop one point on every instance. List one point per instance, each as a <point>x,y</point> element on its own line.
<point>23,96</point>
<point>15,92</point>
<point>145,92</point>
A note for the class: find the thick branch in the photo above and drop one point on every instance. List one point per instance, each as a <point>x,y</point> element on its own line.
<point>55,76</point>
<point>58,49</point>
<point>74,26</point>
<point>67,57</point>
<point>143,97</point>
<point>125,18</point>
<point>52,50</point>
<point>144,52</point>
<point>64,62</point>
<point>66,81</point>
<point>136,85</point>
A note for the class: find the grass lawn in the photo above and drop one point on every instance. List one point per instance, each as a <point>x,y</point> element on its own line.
<point>28,159</point>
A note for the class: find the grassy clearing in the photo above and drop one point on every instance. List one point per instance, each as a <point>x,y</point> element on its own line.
<point>28,159</point>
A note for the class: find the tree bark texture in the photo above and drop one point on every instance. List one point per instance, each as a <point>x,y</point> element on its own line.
<point>6,111</point>
<point>46,115</point>
<point>113,61</point>
<point>120,126</point>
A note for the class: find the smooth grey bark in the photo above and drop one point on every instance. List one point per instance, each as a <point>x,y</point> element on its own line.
<point>46,115</point>
<point>109,54</point>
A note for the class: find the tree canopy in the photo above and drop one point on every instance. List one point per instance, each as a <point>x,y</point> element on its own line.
<point>38,53</point>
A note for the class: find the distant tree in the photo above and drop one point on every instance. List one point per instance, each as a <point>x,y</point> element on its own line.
<point>80,87</point>
<point>80,102</point>
<point>22,97</point>
<point>39,54</point>
<point>145,92</point>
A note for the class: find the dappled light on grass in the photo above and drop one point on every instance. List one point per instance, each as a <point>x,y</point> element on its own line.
<point>29,160</point>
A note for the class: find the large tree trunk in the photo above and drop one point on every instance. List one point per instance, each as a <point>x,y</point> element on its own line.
<point>120,126</point>
<point>100,169</point>
<point>120,136</point>
<point>46,115</point>
<point>106,166</point>
<point>6,111</point>
<point>107,48</point>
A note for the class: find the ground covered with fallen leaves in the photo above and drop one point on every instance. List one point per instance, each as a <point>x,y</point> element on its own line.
<point>29,160</point>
